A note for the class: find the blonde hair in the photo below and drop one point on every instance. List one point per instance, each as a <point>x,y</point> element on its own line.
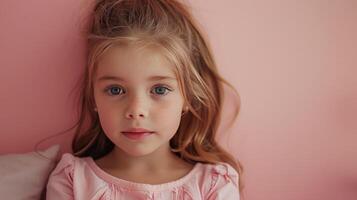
<point>168,25</point>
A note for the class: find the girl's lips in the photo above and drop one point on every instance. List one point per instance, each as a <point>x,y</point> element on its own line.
<point>137,135</point>
<point>137,129</point>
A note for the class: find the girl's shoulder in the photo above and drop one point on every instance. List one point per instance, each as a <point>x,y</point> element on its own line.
<point>67,163</point>
<point>221,170</point>
<point>220,181</point>
<point>68,159</point>
<point>69,176</point>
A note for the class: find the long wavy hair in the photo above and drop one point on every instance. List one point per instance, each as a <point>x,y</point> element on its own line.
<point>168,25</point>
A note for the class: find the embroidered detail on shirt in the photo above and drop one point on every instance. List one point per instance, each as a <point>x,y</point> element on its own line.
<point>229,174</point>
<point>150,196</point>
<point>182,193</point>
<point>174,194</point>
<point>186,194</point>
<point>220,169</point>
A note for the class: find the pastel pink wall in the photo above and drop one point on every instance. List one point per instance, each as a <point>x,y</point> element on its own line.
<point>294,64</point>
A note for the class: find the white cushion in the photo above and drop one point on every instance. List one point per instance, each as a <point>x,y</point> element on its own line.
<point>24,176</point>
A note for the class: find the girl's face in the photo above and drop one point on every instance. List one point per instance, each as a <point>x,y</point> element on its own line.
<point>137,89</point>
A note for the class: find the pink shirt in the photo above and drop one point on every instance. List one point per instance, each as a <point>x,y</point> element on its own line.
<point>81,179</point>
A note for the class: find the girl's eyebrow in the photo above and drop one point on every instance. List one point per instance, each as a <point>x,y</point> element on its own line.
<point>151,78</point>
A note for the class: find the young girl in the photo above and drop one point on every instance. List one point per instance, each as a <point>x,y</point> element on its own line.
<point>153,96</point>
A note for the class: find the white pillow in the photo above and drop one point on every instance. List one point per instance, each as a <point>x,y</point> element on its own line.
<point>24,176</point>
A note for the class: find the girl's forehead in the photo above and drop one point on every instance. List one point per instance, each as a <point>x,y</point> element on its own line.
<point>133,62</point>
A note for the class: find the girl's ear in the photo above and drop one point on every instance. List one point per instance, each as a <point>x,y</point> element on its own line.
<point>185,108</point>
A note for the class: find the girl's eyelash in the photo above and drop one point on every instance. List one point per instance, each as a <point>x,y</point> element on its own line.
<point>107,89</point>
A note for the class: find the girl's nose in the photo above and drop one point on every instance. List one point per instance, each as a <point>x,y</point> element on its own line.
<point>136,109</point>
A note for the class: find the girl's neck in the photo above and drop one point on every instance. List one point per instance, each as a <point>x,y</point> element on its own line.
<point>160,160</point>
<point>159,167</point>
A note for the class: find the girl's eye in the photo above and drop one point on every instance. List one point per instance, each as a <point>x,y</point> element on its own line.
<point>114,90</point>
<point>161,90</point>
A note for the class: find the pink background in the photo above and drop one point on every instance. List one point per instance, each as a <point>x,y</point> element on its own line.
<point>294,64</point>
